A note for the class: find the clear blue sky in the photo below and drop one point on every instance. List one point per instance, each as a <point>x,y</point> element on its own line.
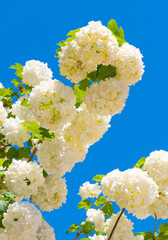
<point>30,29</point>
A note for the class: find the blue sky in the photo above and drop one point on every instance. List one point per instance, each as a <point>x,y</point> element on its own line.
<point>30,29</point>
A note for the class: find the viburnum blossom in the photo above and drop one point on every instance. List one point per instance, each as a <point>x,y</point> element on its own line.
<point>131,189</point>
<point>52,104</point>
<point>93,45</point>
<point>51,194</point>
<point>23,178</point>
<point>97,237</point>
<point>159,207</point>
<point>45,232</point>
<point>86,128</point>
<point>106,97</point>
<point>139,237</point>
<point>89,190</point>
<point>3,235</point>
<point>14,131</point>
<point>35,72</point>
<point>21,221</point>
<point>123,230</point>
<point>129,64</point>
<point>3,114</point>
<point>97,217</point>
<point>59,156</point>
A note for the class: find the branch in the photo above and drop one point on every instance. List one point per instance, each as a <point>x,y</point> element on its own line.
<point>154,227</point>
<point>111,234</point>
<point>104,205</point>
<point>77,236</point>
<point>33,152</point>
<point>73,85</point>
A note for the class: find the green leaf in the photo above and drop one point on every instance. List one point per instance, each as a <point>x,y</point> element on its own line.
<point>147,235</point>
<point>45,132</point>
<point>73,228</point>
<point>1,162</point>
<point>98,178</point>
<point>5,92</point>
<point>45,174</point>
<point>84,204</point>
<point>140,163</point>
<point>12,153</point>
<point>163,227</point>
<point>84,84</point>
<point>4,205</point>
<point>118,33</point>
<point>108,210</point>
<point>162,236</point>
<point>73,32</point>
<point>112,25</point>
<point>16,82</point>
<point>29,143</point>
<point>79,95</point>
<point>10,115</point>
<point>19,70</point>
<point>2,173</point>
<point>25,103</point>
<point>121,33</point>
<point>100,200</point>
<point>87,228</point>
<point>23,153</point>
<point>8,195</point>
<point>7,163</point>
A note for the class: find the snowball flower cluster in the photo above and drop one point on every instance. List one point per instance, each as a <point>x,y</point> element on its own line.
<point>45,232</point>
<point>23,178</point>
<point>15,133</point>
<point>93,45</point>
<point>3,114</point>
<point>89,190</point>
<point>52,104</point>
<point>3,234</point>
<point>51,194</point>
<point>129,64</point>
<point>97,217</point>
<point>131,189</point>
<point>106,97</point>
<point>35,72</point>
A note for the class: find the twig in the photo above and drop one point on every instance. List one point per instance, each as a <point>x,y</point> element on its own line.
<point>104,205</point>
<point>73,85</point>
<point>77,236</point>
<point>33,152</point>
<point>154,227</point>
<point>111,234</point>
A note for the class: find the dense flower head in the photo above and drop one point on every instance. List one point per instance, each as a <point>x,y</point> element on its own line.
<point>51,194</point>
<point>106,97</point>
<point>86,128</point>
<point>3,114</point>
<point>45,232</point>
<point>3,234</point>
<point>129,64</point>
<point>21,221</point>
<point>88,190</point>
<point>159,207</point>
<point>35,72</point>
<point>131,189</point>
<point>123,230</point>
<point>15,133</point>
<point>23,178</point>
<point>59,156</point>
<point>93,45</point>
<point>53,104</point>
<point>97,217</point>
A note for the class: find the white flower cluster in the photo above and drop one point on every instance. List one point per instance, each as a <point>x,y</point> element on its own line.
<point>23,221</point>
<point>3,114</point>
<point>131,189</point>
<point>106,97</point>
<point>93,45</point>
<point>15,133</point>
<point>51,194</point>
<point>97,237</point>
<point>23,178</point>
<point>97,217</point>
<point>88,190</point>
<point>52,104</point>
<point>35,72</point>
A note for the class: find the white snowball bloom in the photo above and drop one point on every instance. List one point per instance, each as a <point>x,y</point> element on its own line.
<point>87,128</point>
<point>3,114</point>
<point>53,104</point>
<point>23,178</point>
<point>22,221</point>
<point>106,97</point>
<point>99,237</point>
<point>35,72</point>
<point>93,45</point>
<point>131,189</point>
<point>15,133</point>
<point>97,217</point>
<point>123,230</point>
<point>89,190</point>
<point>129,64</point>
<point>59,156</point>
<point>159,207</point>
<point>45,232</point>
<point>3,235</point>
<point>52,194</point>
<point>139,237</point>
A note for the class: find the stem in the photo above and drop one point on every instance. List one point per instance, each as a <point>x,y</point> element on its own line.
<point>154,227</point>
<point>33,152</point>
<point>77,236</point>
<point>111,234</point>
<point>73,85</point>
<point>104,205</point>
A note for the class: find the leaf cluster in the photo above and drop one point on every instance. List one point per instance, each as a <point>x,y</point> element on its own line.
<point>117,32</point>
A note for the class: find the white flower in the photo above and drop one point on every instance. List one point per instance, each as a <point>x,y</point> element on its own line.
<point>35,72</point>
<point>59,156</point>
<point>97,237</point>
<point>23,178</point>
<point>139,237</point>
<point>53,104</point>
<point>3,235</point>
<point>89,190</point>
<point>131,189</point>
<point>129,64</point>
<point>15,133</point>
<point>3,114</point>
<point>86,128</point>
<point>97,217</point>
<point>52,194</point>
<point>106,97</point>
<point>123,230</point>
<point>45,232</point>
<point>93,45</point>
<point>1,85</point>
<point>22,221</point>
